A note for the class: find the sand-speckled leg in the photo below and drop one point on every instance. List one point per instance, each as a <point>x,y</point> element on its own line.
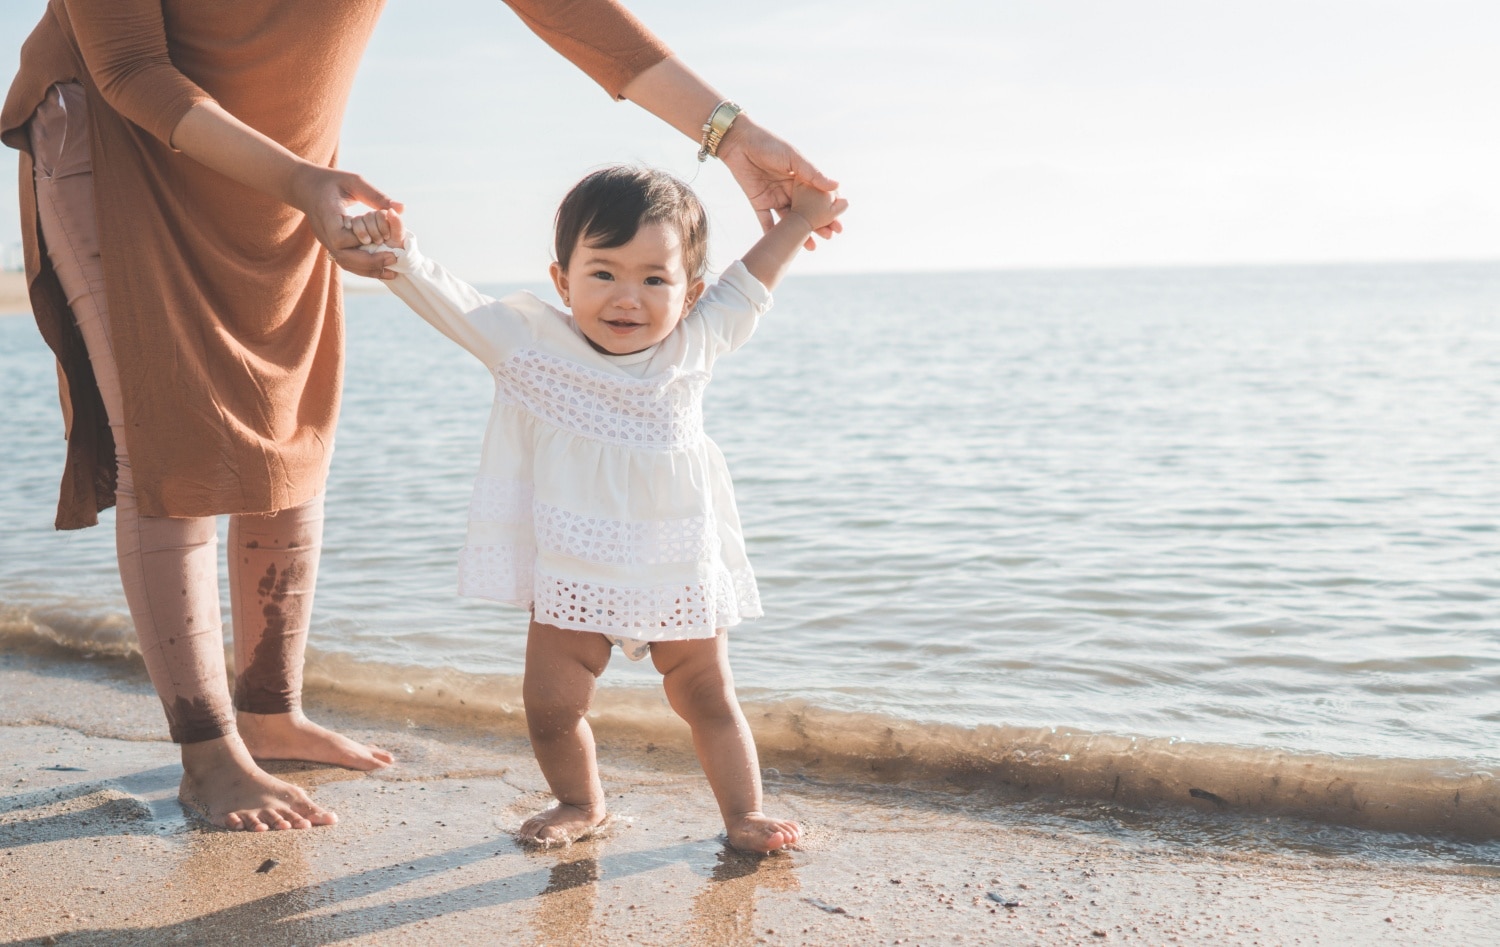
<point>273,570</point>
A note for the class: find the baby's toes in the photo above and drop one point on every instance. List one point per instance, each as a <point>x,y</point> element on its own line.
<point>790,834</point>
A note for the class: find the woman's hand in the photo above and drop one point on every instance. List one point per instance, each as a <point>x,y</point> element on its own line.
<point>216,139</point>
<point>324,195</point>
<point>766,168</point>
<point>764,165</point>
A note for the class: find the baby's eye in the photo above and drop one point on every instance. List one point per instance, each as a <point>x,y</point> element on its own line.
<point>604,275</point>
<point>655,281</point>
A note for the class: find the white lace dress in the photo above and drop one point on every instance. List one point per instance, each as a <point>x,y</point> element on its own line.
<point>600,503</point>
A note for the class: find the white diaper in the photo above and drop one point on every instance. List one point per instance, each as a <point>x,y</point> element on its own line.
<point>634,648</point>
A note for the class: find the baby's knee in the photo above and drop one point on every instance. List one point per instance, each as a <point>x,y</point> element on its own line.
<point>701,696</point>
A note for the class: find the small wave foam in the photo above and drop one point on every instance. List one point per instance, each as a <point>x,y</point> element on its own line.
<point>1449,798</point>
<point>82,630</point>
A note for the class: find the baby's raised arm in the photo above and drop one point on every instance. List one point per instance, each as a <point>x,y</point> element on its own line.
<point>811,210</point>
<point>478,322</point>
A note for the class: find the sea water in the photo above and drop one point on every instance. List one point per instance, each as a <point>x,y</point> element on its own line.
<point>1255,509</point>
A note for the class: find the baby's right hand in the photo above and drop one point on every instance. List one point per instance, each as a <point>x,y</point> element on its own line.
<point>378,227</point>
<point>818,208</point>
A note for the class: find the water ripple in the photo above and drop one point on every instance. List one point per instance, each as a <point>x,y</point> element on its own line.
<point>1241,506</point>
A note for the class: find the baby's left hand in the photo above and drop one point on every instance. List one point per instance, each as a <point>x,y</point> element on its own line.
<point>819,208</point>
<point>378,227</point>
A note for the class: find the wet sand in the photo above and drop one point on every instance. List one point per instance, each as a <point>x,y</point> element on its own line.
<point>94,849</point>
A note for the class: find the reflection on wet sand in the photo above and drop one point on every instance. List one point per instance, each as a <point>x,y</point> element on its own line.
<point>565,912</point>
<point>724,912</point>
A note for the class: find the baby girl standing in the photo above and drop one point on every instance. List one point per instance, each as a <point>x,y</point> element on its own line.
<point>600,504</point>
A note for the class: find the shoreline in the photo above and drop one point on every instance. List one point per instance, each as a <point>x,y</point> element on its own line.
<point>1450,798</point>
<point>94,849</point>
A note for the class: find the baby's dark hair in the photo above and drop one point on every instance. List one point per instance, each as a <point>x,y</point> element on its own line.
<point>608,207</point>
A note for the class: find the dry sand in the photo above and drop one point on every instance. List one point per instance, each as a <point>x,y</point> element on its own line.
<point>94,849</point>
<point>13,298</point>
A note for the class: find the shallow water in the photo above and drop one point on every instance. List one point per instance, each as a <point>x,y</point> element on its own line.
<point>1249,507</point>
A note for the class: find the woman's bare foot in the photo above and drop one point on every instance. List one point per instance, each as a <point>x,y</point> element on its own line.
<point>221,782</point>
<point>756,832</point>
<point>561,825</point>
<point>292,736</point>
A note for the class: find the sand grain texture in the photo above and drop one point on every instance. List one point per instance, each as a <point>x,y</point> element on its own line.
<point>94,849</point>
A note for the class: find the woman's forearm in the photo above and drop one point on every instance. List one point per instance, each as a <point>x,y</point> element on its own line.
<point>675,94</point>
<point>218,140</point>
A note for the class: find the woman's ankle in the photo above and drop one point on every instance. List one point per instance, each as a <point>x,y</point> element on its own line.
<point>251,720</point>
<point>211,755</point>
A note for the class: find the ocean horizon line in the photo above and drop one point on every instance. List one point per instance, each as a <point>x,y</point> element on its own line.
<point>361,285</point>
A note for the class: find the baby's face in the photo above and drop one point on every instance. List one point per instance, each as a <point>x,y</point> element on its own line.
<point>630,297</point>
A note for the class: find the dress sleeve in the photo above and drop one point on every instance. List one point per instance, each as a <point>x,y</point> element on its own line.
<point>483,325</point>
<point>600,37</point>
<point>124,46</point>
<point>730,309</point>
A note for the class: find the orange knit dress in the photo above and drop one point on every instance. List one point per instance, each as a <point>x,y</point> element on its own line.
<point>228,336</point>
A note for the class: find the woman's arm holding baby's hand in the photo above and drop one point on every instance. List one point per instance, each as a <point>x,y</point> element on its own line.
<point>812,210</point>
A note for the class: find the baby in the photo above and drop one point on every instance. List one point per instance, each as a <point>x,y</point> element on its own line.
<point>600,504</point>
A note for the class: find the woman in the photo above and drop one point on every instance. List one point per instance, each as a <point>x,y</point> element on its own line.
<point>201,358</point>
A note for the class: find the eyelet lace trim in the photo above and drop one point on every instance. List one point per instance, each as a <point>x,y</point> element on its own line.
<point>627,542</point>
<point>665,413</point>
<point>505,574</point>
<point>650,614</point>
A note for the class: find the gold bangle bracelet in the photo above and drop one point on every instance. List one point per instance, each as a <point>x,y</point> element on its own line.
<point>716,127</point>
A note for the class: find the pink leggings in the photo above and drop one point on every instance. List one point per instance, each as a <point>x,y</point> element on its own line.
<point>168,565</point>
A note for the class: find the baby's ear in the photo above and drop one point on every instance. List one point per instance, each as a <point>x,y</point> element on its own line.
<point>694,293</point>
<point>560,280</point>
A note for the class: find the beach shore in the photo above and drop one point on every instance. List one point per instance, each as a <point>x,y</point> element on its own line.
<point>13,298</point>
<point>94,849</point>
<point>15,301</point>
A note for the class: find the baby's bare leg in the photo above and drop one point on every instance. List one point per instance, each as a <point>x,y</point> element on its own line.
<point>700,688</point>
<point>561,667</point>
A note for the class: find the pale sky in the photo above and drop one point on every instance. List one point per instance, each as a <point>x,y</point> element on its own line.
<point>967,134</point>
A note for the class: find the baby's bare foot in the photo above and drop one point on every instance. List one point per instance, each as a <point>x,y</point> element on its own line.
<point>292,736</point>
<point>562,825</point>
<point>756,832</point>
<point>222,784</point>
